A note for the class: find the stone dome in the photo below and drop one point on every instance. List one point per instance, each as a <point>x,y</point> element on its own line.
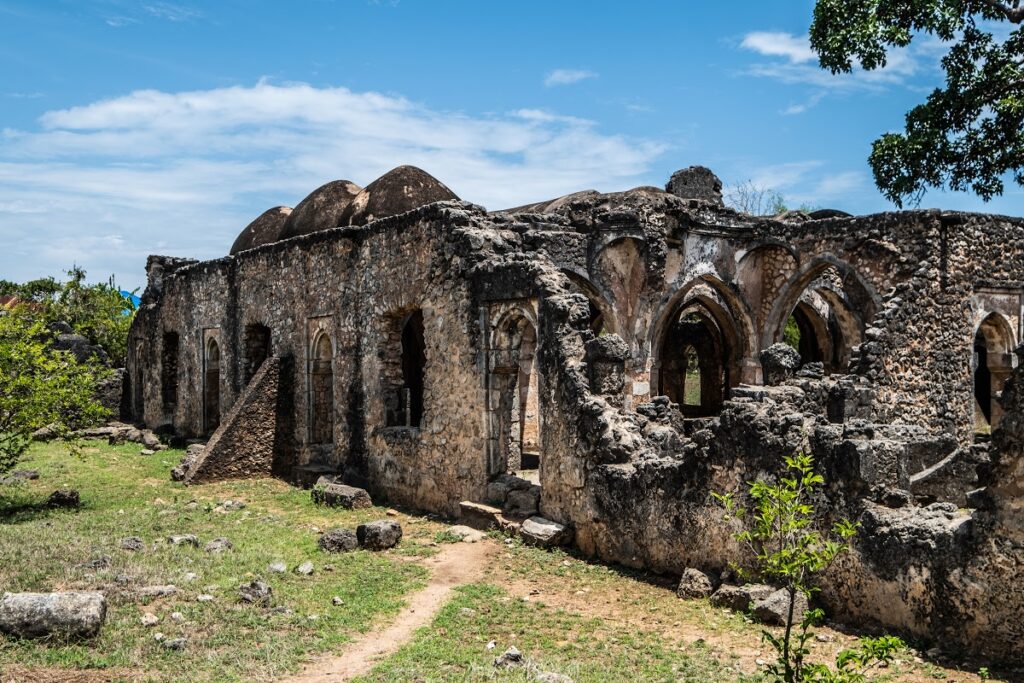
<point>321,209</point>
<point>264,230</point>
<point>399,190</point>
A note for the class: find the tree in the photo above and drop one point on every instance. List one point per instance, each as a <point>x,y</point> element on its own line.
<point>967,135</point>
<point>790,552</point>
<point>98,312</point>
<point>40,387</point>
<point>756,200</point>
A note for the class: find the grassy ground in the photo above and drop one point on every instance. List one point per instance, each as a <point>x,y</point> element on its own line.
<point>126,494</point>
<point>588,621</point>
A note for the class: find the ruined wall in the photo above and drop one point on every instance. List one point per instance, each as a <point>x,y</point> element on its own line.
<point>618,463</point>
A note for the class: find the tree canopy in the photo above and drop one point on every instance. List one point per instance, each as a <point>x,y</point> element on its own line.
<point>967,135</point>
<point>98,312</point>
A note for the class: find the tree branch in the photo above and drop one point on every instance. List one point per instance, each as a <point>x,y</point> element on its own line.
<point>1013,13</point>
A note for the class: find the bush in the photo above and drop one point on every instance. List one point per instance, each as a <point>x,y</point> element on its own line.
<point>40,387</point>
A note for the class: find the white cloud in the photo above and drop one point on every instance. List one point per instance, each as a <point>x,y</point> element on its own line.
<point>182,173</point>
<point>796,67</point>
<point>776,44</point>
<point>567,76</point>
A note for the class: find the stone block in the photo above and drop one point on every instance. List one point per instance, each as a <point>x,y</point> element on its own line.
<point>545,533</point>
<point>379,535</point>
<point>341,495</point>
<point>73,614</point>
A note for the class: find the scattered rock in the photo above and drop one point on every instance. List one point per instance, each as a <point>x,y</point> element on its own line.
<point>466,533</point>
<point>512,658</point>
<point>774,609</point>
<point>338,541</point>
<point>177,616</point>
<point>147,451</point>
<point>205,597</point>
<point>175,644</point>
<point>255,593</point>
<point>184,539</point>
<point>544,533</point>
<point>133,544</point>
<point>739,598</point>
<point>67,499</point>
<point>304,569</point>
<point>337,601</point>
<point>277,567</point>
<point>695,584</point>
<point>232,505</point>
<point>67,615</point>
<point>157,591</point>
<point>341,495</point>
<point>190,576</point>
<point>379,535</point>
<point>218,545</point>
<point>98,563</point>
<point>20,475</point>
<point>149,619</point>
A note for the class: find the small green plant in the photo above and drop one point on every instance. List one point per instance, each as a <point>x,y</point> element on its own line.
<point>789,552</point>
<point>984,674</point>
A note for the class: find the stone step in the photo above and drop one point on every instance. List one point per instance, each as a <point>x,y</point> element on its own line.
<point>486,517</point>
<point>306,475</point>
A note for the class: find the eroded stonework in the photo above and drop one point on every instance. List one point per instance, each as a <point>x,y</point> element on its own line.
<point>600,357</point>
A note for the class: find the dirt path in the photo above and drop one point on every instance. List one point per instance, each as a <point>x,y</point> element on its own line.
<point>455,565</point>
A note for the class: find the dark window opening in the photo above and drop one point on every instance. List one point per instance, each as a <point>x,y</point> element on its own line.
<point>414,359</point>
<point>257,349</point>
<point>169,370</point>
<point>982,384</point>
<point>211,389</point>
<point>322,391</point>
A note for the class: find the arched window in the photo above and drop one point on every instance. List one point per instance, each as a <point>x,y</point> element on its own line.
<point>321,380</point>
<point>414,360</point>
<point>169,370</point>
<point>993,363</point>
<point>211,390</point>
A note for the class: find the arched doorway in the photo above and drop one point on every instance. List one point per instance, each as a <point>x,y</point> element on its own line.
<point>321,383</point>
<point>211,387</point>
<point>694,362</point>
<point>992,365</point>
<point>516,440</point>
<point>826,308</point>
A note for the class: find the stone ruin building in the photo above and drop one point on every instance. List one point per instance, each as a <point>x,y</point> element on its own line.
<point>609,361</point>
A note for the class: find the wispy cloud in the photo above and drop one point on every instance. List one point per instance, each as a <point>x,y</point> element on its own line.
<point>567,77</point>
<point>797,66</point>
<point>183,172</point>
<point>172,12</point>
<point>776,44</point>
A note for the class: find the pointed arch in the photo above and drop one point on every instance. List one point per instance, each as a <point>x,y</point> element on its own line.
<point>211,386</point>
<point>730,314</point>
<point>992,363</point>
<point>843,288</point>
<point>321,390</point>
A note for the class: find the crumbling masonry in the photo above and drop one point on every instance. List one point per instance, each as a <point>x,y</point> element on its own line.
<point>609,360</point>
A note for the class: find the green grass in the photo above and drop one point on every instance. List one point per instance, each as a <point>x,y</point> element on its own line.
<point>586,649</point>
<point>126,494</point>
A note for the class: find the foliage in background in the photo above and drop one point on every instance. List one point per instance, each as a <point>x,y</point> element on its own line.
<point>98,312</point>
<point>789,553</point>
<point>966,135</point>
<point>40,387</point>
<point>758,200</point>
<point>791,333</point>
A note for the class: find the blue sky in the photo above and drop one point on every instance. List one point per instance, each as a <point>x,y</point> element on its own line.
<point>130,127</point>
